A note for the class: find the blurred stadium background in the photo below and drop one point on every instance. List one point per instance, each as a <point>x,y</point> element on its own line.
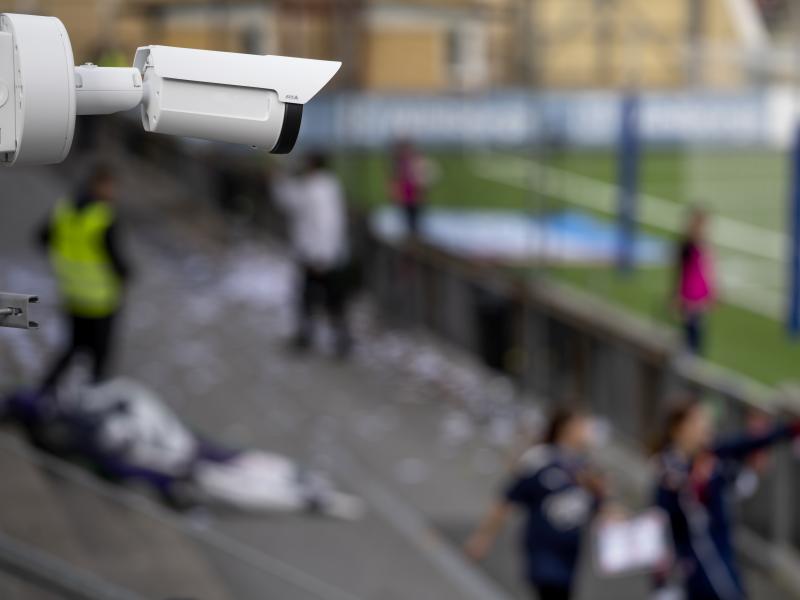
<point>518,106</point>
<point>518,103</point>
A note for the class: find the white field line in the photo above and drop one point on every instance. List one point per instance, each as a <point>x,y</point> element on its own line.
<point>654,211</point>
<point>747,285</point>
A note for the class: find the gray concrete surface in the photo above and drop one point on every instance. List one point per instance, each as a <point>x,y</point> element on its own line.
<point>422,433</point>
<point>229,389</point>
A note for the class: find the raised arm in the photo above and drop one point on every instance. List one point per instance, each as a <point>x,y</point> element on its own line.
<point>742,446</point>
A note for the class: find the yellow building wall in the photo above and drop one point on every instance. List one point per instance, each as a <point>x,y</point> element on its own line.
<point>501,53</point>
<point>207,37</point>
<point>90,23</point>
<point>646,44</point>
<point>82,19</point>
<point>405,60</point>
<point>721,72</point>
<point>564,43</point>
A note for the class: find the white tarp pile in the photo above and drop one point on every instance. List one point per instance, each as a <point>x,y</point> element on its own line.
<point>137,428</point>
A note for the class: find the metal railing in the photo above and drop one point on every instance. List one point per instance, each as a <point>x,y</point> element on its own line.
<point>560,343</point>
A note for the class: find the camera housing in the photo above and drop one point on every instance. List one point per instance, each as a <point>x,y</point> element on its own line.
<point>236,98</point>
<point>219,96</point>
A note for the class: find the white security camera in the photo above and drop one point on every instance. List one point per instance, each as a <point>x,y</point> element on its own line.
<point>219,96</point>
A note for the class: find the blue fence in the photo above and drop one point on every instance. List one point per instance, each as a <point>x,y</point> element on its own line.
<point>515,118</point>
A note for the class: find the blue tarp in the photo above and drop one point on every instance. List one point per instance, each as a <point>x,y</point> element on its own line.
<point>567,237</point>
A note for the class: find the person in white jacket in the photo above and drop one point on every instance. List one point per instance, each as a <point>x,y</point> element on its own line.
<point>315,206</point>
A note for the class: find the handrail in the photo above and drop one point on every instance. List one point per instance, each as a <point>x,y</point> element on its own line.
<point>656,343</point>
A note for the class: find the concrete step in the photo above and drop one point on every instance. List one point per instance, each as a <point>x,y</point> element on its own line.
<point>95,533</point>
<point>136,551</point>
<point>16,589</point>
<point>29,510</point>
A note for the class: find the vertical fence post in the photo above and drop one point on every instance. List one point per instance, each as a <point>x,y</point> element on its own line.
<point>793,317</point>
<point>783,498</point>
<point>536,348</point>
<point>628,181</point>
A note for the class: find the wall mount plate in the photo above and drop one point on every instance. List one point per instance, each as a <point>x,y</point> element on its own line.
<point>14,310</point>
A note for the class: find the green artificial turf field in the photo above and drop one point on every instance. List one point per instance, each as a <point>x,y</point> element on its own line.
<point>745,191</point>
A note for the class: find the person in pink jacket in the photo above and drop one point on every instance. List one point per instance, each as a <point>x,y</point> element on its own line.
<point>409,184</point>
<point>695,288</point>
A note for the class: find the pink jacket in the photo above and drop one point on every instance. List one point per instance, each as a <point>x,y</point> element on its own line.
<point>407,187</point>
<point>697,285</point>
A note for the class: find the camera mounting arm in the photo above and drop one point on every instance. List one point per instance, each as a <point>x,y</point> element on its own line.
<point>106,90</point>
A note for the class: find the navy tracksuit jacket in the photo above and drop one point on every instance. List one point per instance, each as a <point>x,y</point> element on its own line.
<point>558,508</point>
<point>696,496</point>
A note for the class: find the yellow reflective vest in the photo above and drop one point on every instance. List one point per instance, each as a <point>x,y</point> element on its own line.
<point>87,279</point>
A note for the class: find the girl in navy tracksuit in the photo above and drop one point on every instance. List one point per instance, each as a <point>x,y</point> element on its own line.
<point>694,488</point>
<point>560,496</point>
